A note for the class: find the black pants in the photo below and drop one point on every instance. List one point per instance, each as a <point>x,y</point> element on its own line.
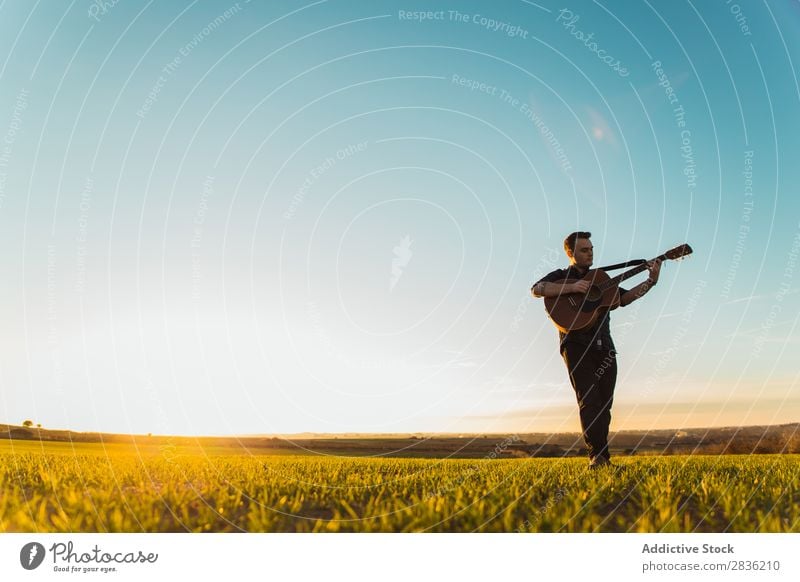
<point>593,374</point>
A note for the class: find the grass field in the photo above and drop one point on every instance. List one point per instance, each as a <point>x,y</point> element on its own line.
<point>58,487</point>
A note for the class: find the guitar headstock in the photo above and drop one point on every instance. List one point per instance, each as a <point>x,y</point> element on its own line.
<point>678,252</point>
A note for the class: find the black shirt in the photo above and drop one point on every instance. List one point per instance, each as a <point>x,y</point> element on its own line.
<point>598,335</point>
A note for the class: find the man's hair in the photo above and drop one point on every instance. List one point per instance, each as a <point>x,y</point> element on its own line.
<point>572,239</point>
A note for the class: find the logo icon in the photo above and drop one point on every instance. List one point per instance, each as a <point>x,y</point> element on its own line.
<point>31,555</point>
<point>402,255</point>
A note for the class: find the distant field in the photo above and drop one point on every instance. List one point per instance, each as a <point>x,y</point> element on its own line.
<point>59,487</point>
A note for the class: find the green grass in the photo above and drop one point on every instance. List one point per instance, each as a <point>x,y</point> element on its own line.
<point>114,488</point>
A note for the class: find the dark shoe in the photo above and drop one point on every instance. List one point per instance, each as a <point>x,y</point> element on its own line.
<point>599,462</point>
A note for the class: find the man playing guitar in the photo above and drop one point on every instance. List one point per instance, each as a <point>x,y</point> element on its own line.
<point>589,352</point>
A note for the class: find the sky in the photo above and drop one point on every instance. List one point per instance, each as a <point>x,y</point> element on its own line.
<point>279,217</point>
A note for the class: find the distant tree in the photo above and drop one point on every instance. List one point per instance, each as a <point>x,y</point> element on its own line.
<point>27,423</point>
<point>38,425</point>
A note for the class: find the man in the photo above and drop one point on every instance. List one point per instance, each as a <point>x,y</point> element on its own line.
<point>589,352</point>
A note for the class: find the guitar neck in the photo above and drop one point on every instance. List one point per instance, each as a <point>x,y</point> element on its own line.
<point>628,274</point>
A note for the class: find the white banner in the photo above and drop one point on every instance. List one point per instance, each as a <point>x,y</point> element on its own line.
<point>400,557</point>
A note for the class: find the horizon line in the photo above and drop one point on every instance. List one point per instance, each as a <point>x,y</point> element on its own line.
<point>461,434</point>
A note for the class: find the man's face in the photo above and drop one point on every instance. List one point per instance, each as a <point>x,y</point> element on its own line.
<point>583,255</point>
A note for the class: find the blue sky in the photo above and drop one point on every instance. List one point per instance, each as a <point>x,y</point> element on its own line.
<point>275,217</point>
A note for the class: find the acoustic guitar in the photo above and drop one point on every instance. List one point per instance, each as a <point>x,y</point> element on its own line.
<point>574,311</point>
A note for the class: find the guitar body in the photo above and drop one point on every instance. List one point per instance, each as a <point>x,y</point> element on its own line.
<point>574,311</point>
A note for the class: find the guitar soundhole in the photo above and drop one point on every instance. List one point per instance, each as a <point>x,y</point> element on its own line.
<point>594,294</point>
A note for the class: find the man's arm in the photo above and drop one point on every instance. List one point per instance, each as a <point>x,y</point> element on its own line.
<point>547,289</point>
<point>639,291</point>
<point>636,293</point>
